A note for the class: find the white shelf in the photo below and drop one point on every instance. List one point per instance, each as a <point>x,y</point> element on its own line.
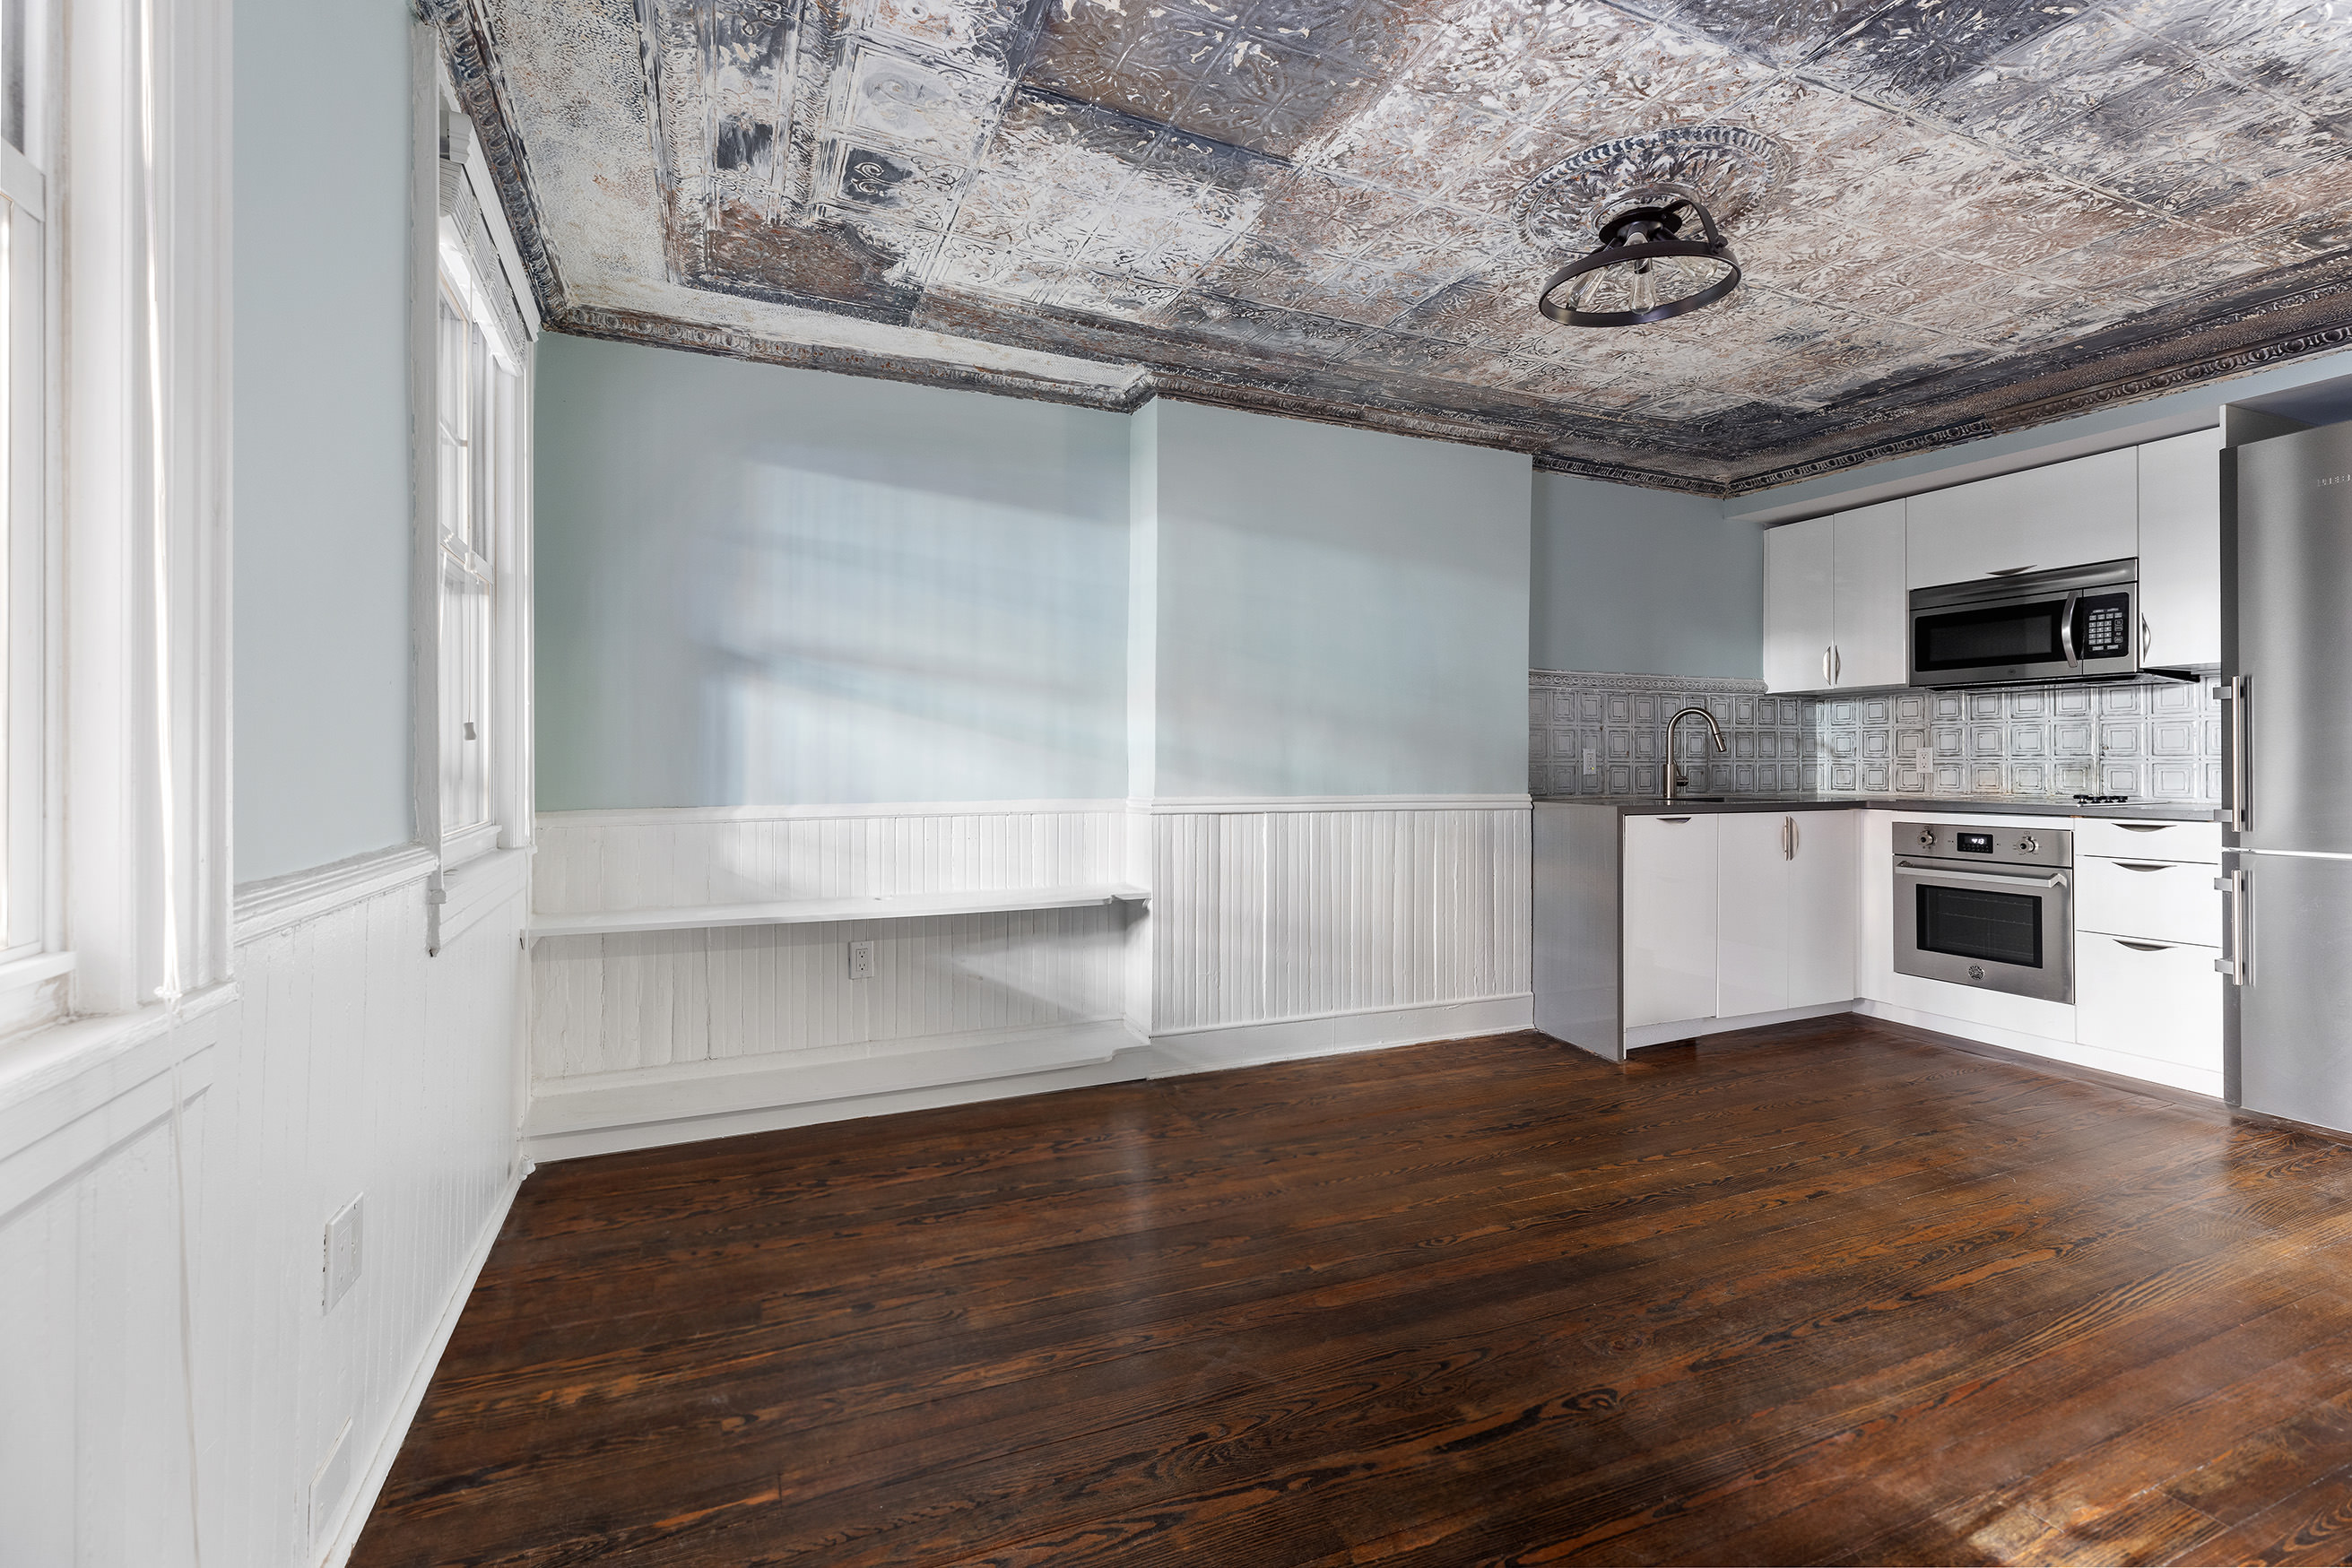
<point>810,911</point>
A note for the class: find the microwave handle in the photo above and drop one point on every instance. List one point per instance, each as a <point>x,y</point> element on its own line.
<point>2066,629</point>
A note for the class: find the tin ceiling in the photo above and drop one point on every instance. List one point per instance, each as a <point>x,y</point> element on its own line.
<point>1993,213</point>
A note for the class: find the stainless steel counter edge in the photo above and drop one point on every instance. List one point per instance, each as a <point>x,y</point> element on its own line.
<point>1982,805</point>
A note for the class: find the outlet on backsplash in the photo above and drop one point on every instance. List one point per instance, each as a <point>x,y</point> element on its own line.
<point>1595,734</point>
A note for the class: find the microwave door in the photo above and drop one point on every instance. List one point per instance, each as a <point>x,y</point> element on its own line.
<point>2011,638</point>
<point>2290,734</point>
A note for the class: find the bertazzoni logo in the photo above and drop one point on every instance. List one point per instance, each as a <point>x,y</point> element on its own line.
<point>2336,479</point>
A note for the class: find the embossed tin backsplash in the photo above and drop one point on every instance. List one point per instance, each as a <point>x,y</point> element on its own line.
<point>2148,740</point>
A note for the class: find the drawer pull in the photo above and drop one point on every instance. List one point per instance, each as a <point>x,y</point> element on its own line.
<point>2142,947</point>
<point>2142,827</point>
<point>1673,819</point>
<point>2144,865</point>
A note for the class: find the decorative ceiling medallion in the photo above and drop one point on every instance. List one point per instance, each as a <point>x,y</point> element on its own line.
<point>1729,169</point>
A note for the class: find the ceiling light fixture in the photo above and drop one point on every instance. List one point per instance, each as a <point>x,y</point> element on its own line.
<point>1655,201</point>
<point>1653,261</point>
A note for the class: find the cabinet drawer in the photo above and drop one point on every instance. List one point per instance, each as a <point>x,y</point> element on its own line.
<point>2149,840</point>
<point>2164,1003</point>
<point>2158,901</point>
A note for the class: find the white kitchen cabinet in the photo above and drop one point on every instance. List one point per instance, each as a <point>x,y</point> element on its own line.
<point>2063,514</point>
<point>1835,611</point>
<point>2180,550</point>
<point>1872,606</point>
<point>2160,901</point>
<point>1751,914</point>
<point>1800,623</point>
<point>2144,998</point>
<point>1821,908</point>
<point>1784,911</point>
<point>2119,840</point>
<point>1669,919</point>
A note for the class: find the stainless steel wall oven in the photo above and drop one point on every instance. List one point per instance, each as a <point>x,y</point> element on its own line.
<point>1990,907</point>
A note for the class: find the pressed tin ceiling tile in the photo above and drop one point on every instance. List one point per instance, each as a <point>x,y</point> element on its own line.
<point>1989,209</point>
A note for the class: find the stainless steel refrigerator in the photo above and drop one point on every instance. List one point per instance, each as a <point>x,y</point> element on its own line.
<point>2286,597</point>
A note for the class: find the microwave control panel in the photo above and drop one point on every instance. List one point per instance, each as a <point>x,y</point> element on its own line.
<point>2106,626</point>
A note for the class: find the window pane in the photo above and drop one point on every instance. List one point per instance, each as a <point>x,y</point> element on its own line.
<point>465,697</point>
<point>12,73</point>
<point>457,487</point>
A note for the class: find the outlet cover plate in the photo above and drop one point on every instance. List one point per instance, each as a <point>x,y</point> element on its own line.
<point>343,1240</point>
<point>861,960</point>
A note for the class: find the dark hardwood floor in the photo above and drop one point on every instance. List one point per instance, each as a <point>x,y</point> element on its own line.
<point>1832,1291</point>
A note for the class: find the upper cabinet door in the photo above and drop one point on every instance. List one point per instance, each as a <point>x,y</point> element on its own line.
<point>1799,623</point>
<point>2180,550</point>
<point>2066,513</point>
<point>1872,611</point>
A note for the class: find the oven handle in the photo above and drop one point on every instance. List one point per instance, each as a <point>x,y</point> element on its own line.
<point>1938,873</point>
<point>2066,627</point>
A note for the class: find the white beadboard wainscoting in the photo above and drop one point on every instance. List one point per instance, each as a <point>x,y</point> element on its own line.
<point>1275,928</point>
<point>1284,927</point>
<point>341,1061</point>
<point>651,1037</point>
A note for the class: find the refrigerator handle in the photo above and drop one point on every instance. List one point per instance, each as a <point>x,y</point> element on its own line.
<point>2234,692</point>
<point>2240,964</point>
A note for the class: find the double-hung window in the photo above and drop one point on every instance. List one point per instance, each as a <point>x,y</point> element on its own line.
<point>25,360</point>
<point>479,402</point>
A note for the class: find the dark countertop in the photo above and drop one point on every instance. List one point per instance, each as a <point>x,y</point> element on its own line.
<point>1983,805</point>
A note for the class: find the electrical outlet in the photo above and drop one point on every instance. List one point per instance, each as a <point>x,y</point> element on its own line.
<point>861,960</point>
<point>1591,762</point>
<point>343,1252</point>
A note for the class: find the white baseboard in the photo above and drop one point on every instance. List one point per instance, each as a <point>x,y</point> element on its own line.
<point>685,1104</point>
<point>1214,1049</point>
<point>1128,1064</point>
<point>1699,1028</point>
<point>2146,1069</point>
<point>346,1535</point>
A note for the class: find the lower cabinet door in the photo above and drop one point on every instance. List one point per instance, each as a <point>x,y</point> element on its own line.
<point>1669,882</point>
<point>1821,897</point>
<point>1751,913</point>
<point>2149,999</point>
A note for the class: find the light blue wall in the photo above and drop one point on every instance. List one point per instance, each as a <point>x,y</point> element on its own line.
<point>1338,612</point>
<point>321,499</point>
<point>1643,581</point>
<point>759,586</point>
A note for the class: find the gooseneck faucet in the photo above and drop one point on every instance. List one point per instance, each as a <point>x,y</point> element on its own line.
<point>1712,728</point>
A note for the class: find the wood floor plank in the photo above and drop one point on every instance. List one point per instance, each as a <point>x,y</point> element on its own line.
<point>1836,1289</point>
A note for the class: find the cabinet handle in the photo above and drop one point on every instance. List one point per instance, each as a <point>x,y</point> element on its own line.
<point>1837,664</point>
<point>2144,865</point>
<point>1825,666</point>
<point>2142,827</point>
<point>1678,820</point>
<point>1788,850</point>
<point>2143,946</point>
<point>2010,571</point>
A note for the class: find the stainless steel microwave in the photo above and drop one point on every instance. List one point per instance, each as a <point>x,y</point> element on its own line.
<point>2075,623</point>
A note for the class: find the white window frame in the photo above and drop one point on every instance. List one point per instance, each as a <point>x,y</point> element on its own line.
<point>464,247</point>
<point>35,963</point>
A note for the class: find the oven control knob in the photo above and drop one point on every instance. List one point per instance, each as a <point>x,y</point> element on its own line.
<point>2029,844</point>
<point>1975,971</point>
<point>1927,838</point>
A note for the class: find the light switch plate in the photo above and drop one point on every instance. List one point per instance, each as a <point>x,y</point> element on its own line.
<point>343,1239</point>
<point>861,960</point>
<point>1591,761</point>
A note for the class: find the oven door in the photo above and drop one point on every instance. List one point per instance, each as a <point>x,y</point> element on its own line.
<point>2050,635</point>
<point>1984,926</point>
